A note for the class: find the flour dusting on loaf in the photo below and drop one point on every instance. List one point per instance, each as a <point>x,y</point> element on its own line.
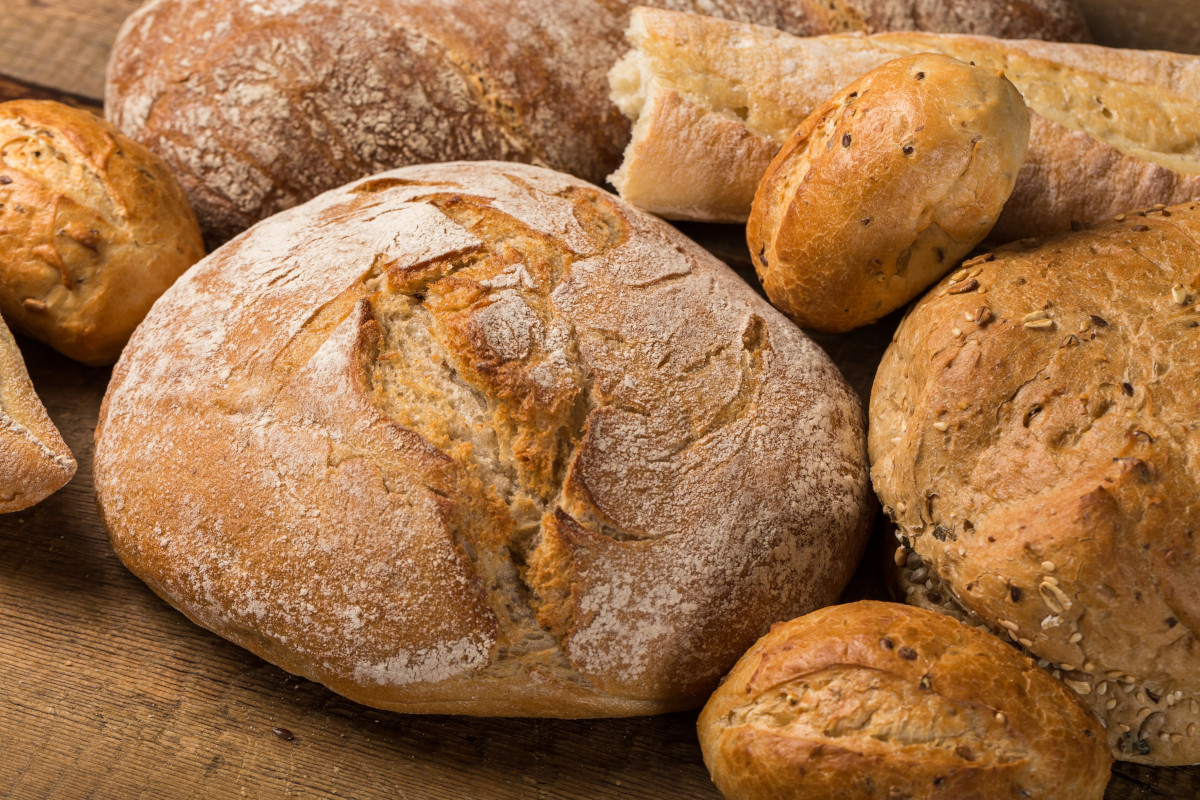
<point>480,438</point>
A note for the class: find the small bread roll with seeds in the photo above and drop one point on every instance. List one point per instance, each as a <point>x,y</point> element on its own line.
<point>874,701</point>
<point>34,460</point>
<point>93,228</point>
<point>884,188</point>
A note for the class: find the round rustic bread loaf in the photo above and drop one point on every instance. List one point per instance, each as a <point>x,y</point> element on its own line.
<point>1035,428</point>
<point>884,188</point>
<point>35,462</point>
<point>258,106</point>
<point>93,228</point>
<point>480,438</point>
<point>877,700</point>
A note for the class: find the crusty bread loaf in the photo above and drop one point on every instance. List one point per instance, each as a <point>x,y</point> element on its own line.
<point>870,701</point>
<point>712,101</point>
<point>34,460</point>
<point>1035,427</point>
<point>93,228</point>
<point>480,438</point>
<point>259,106</point>
<point>884,188</point>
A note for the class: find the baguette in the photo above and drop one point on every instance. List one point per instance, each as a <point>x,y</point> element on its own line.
<point>34,460</point>
<point>260,106</point>
<point>711,101</point>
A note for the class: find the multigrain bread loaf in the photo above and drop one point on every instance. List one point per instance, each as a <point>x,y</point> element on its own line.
<point>712,101</point>
<point>884,188</point>
<point>871,701</point>
<point>34,460</point>
<point>93,228</point>
<point>480,438</point>
<point>258,106</point>
<point>1035,430</point>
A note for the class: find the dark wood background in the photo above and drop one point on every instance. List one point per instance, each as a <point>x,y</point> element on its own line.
<point>107,692</point>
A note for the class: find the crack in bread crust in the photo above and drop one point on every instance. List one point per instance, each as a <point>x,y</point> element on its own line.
<point>480,439</point>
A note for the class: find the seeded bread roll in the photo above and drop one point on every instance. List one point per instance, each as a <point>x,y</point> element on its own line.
<point>93,228</point>
<point>871,701</point>
<point>712,101</point>
<point>479,438</point>
<point>1034,435</point>
<point>34,460</point>
<point>884,188</point>
<point>258,106</point>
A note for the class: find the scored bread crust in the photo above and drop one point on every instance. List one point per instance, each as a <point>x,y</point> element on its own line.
<point>35,462</point>
<point>873,700</point>
<point>712,101</point>
<point>93,228</point>
<point>260,106</point>
<point>1040,458</point>
<point>479,438</point>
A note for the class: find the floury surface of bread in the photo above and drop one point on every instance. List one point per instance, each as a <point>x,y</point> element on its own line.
<point>35,462</point>
<point>1035,434</point>
<point>879,701</point>
<point>712,101</point>
<point>258,106</point>
<point>480,438</point>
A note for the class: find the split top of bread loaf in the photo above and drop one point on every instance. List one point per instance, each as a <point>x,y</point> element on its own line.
<point>877,700</point>
<point>1035,430</point>
<point>480,438</point>
<point>712,100</point>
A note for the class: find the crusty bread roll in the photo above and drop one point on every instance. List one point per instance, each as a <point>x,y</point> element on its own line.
<point>258,106</point>
<point>713,100</point>
<point>870,701</point>
<point>1034,436</point>
<point>93,228</point>
<point>884,188</point>
<point>34,460</point>
<point>480,438</point>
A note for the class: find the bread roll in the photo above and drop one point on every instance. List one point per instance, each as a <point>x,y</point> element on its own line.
<point>93,228</point>
<point>712,101</point>
<point>884,188</point>
<point>479,438</point>
<point>260,106</point>
<point>1039,458</point>
<point>871,701</point>
<point>34,460</point>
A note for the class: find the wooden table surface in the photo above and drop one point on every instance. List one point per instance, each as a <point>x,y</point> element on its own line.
<point>107,692</point>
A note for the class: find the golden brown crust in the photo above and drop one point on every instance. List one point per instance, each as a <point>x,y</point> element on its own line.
<point>479,438</point>
<point>1121,133</point>
<point>884,188</point>
<point>34,460</point>
<point>877,700</point>
<point>1040,456</point>
<point>216,88</point>
<point>93,228</point>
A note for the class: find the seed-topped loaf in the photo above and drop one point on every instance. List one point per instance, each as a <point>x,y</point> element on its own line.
<point>1035,435</point>
<point>480,438</point>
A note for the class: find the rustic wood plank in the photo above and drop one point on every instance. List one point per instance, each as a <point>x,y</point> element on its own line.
<point>61,44</point>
